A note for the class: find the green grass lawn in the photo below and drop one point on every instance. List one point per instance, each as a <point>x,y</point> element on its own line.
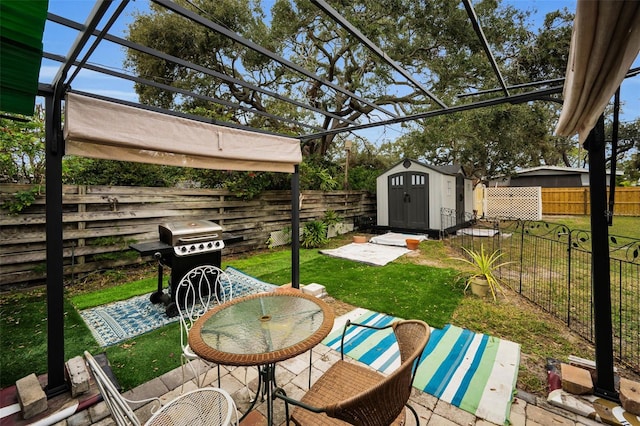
<point>403,290</point>
<point>627,226</point>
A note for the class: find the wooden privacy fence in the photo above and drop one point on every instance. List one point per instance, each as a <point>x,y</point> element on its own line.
<point>575,201</point>
<point>100,222</point>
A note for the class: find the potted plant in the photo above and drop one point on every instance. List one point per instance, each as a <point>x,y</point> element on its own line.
<point>484,279</point>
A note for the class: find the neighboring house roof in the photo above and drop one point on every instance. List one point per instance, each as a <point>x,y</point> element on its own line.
<point>548,176</point>
<point>555,170</point>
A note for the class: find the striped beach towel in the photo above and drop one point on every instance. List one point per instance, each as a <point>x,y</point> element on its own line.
<point>472,371</point>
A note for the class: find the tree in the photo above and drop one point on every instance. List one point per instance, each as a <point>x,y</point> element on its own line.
<point>485,142</point>
<point>22,158</point>
<point>431,39</point>
<point>494,141</point>
<point>628,149</point>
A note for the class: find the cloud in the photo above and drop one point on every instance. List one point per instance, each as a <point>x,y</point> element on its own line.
<point>94,82</point>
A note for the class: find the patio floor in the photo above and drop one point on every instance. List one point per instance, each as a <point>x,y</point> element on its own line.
<point>293,376</point>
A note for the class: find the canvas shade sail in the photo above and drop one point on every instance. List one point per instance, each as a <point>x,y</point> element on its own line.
<point>604,44</point>
<point>101,129</point>
<point>21,26</point>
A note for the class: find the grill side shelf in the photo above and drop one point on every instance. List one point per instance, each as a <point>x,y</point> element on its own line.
<point>152,247</point>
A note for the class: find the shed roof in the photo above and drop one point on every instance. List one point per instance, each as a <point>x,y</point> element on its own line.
<point>449,169</point>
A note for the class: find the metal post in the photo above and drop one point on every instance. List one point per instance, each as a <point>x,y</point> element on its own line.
<point>600,276</point>
<point>347,147</point>
<point>295,228</point>
<point>54,246</point>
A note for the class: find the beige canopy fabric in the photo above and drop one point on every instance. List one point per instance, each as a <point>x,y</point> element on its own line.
<point>101,129</point>
<point>604,44</point>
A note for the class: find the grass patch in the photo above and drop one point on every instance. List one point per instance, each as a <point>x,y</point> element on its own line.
<point>111,294</point>
<point>150,355</point>
<point>404,290</point>
<point>628,226</point>
<point>399,289</point>
<point>421,285</point>
<point>23,335</point>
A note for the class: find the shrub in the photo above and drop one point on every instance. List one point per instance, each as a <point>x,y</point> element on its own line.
<point>314,234</point>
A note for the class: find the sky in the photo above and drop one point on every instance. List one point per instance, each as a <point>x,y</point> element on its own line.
<point>58,39</point>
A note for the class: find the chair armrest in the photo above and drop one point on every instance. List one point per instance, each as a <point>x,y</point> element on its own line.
<point>355,324</point>
<point>281,394</point>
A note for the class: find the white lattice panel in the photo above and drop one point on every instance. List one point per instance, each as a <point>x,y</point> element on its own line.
<point>281,238</point>
<point>523,202</point>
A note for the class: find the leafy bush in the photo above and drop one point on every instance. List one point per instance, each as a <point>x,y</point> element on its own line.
<point>316,174</point>
<point>21,200</point>
<point>89,171</point>
<point>363,177</point>
<point>314,234</point>
<point>331,217</point>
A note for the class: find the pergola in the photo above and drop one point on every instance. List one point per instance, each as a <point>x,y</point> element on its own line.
<point>605,42</point>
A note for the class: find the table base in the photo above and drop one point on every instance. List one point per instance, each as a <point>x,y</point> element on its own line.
<point>266,385</point>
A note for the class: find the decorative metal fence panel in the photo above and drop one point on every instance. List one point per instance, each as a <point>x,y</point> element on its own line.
<point>551,266</point>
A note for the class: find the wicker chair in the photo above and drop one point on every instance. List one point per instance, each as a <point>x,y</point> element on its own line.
<point>197,292</point>
<point>350,393</point>
<point>210,406</point>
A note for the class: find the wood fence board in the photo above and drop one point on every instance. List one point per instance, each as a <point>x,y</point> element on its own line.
<point>575,201</point>
<point>104,220</point>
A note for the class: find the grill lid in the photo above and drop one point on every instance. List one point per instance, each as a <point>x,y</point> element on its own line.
<point>189,232</point>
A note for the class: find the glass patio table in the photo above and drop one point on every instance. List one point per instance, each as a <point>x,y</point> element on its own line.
<point>260,330</point>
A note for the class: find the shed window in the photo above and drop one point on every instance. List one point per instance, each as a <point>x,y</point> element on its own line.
<point>397,180</point>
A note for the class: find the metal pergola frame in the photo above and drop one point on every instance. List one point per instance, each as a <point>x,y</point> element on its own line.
<point>54,95</point>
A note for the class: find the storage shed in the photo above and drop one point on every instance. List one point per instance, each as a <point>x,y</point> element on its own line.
<point>412,196</point>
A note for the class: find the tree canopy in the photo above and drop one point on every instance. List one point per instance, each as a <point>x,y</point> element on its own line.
<point>432,40</point>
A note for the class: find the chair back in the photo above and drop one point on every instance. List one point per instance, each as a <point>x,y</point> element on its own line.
<point>120,410</point>
<point>198,291</point>
<point>205,406</point>
<point>383,403</point>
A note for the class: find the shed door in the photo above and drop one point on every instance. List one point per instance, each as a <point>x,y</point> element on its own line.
<point>409,200</point>
<point>459,200</point>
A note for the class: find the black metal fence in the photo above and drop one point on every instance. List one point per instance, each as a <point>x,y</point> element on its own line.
<point>551,266</point>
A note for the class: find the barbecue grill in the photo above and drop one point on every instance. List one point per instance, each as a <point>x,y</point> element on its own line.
<point>182,246</point>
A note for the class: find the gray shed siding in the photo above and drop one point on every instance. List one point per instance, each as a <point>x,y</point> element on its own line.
<point>442,193</point>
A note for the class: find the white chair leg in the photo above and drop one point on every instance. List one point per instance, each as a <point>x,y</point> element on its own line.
<point>194,369</point>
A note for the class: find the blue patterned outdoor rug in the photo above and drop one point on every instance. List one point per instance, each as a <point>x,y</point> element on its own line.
<point>472,371</point>
<point>119,321</point>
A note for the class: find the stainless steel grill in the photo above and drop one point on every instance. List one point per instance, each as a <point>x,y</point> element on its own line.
<point>192,236</point>
<point>182,246</point>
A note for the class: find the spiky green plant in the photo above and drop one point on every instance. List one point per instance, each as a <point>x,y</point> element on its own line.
<point>314,234</point>
<point>485,266</point>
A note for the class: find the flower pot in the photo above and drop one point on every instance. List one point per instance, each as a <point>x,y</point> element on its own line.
<point>412,244</point>
<point>359,239</point>
<point>479,286</point>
